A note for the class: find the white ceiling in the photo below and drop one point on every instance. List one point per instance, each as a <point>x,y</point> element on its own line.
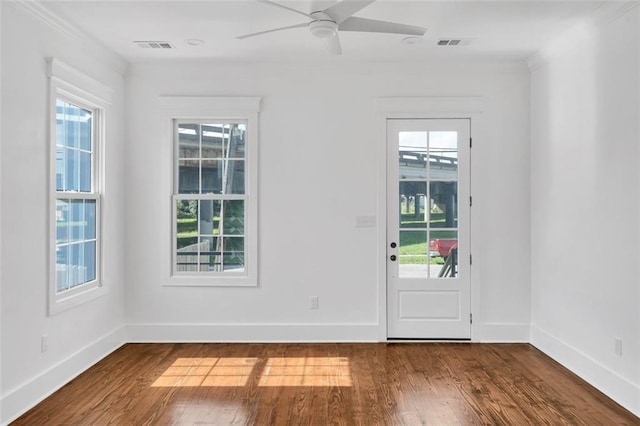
<point>508,29</point>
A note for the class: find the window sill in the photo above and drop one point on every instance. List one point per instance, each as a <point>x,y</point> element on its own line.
<point>60,304</point>
<point>209,281</point>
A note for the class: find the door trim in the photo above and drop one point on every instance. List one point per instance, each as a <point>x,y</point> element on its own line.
<point>418,108</point>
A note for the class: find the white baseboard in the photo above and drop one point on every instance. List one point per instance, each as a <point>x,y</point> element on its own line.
<point>618,388</point>
<point>18,401</point>
<point>502,333</point>
<point>252,333</point>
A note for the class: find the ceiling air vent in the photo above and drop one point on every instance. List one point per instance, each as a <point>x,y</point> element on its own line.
<point>154,44</point>
<point>454,42</point>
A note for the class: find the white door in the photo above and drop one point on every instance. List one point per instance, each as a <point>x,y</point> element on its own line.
<point>428,258</point>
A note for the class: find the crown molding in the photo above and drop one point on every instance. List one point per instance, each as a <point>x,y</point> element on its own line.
<point>39,10</point>
<point>609,12</point>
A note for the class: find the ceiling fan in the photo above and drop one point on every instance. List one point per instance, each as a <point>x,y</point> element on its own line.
<point>325,24</point>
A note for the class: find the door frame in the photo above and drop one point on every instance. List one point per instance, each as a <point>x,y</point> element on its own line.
<point>470,108</point>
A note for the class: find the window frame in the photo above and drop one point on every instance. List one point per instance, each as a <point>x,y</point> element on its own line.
<point>214,110</point>
<point>71,86</point>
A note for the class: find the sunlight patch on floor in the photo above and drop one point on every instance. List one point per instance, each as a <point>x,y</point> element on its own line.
<point>306,371</point>
<point>226,372</point>
<point>207,372</point>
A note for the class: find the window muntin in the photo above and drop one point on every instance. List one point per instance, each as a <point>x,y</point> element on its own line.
<point>77,204</point>
<point>211,198</point>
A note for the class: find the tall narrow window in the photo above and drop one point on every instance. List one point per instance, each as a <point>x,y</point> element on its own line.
<point>77,116</point>
<point>214,213</point>
<point>211,197</point>
<point>77,198</point>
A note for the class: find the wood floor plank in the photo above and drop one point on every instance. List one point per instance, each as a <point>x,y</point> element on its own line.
<point>327,384</point>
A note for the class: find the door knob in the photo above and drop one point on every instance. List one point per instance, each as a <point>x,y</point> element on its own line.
<point>393,245</point>
<point>393,257</point>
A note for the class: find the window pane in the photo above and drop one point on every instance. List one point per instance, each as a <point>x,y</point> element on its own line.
<point>234,261</point>
<point>187,223</point>
<point>211,176</point>
<point>187,254</point>
<point>85,130</point>
<point>62,254</point>
<point>76,269</point>
<point>60,123</point>
<point>90,260</point>
<point>62,221</point>
<point>85,171</point>
<point>90,219</point>
<point>188,176</point>
<point>76,220</point>
<point>234,183</point>
<point>210,217</point>
<point>72,136</point>
<point>210,259</point>
<point>188,141</point>
<point>237,140</point>
<point>213,138</point>
<point>60,167</point>
<point>71,177</point>
<point>233,253</point>
<point>234,217</point>
<point>443,207</point>
<point>413,259</point>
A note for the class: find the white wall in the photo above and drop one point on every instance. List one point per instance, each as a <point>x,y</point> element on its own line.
<point>80,336</point>
<point>318,160</point>
<point>1,417</point>
<point>584,203</point>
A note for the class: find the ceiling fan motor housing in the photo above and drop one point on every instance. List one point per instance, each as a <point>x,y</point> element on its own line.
<point>323,26</point>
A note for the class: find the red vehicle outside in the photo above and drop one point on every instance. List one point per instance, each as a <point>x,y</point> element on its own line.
<point>442,247</point>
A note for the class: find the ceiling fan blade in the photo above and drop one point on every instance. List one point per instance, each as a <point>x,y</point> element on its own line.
<point>341,11</point>
<point>332,44</point>
<point>272,3</point>
<point>373,26</point>
<point>305,24</point>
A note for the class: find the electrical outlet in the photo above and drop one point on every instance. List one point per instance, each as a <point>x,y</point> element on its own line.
<point>44,343</point>
<point>314,302</point>
<point>617,346</point>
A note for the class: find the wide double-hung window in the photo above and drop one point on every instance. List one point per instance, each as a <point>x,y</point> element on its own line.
<point>215,198</point>
<point>76,138</point>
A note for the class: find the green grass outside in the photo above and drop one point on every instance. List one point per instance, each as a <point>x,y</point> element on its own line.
<point>415,250</point>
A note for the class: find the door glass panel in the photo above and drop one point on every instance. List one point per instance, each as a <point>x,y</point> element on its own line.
<point>412,155</point>
<point>443,252</point>
<point>443,156</point>
<point>413,208</point>
<point>413,259</point>
<point>443,204</point>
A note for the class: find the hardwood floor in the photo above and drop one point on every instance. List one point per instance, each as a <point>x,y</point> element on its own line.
<point>318,384</point>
